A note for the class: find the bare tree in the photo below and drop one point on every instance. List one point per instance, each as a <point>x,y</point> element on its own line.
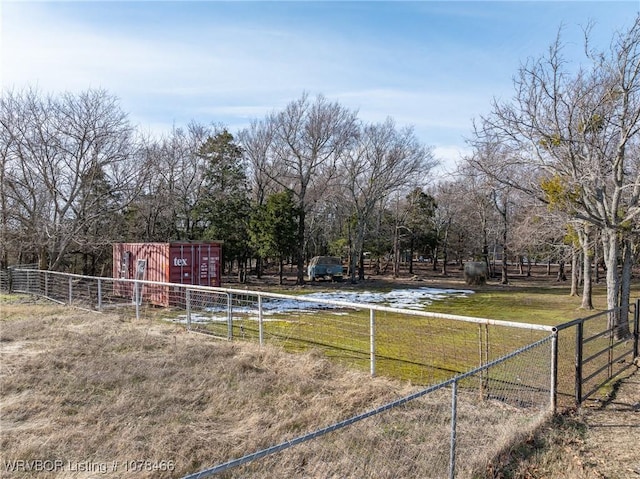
<point>476,214</point>
<point>447,195</point>
<point>70,163</point>
<point>257,143</point>
<point>6,144</point>
<point>308,138</point>
<point>578,131</point>
<point>381,163</point>
<point>584,232</point>
<point>166,208</point>
<point>257,146</point>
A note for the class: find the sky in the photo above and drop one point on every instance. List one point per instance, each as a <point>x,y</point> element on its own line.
<point>432,65</point>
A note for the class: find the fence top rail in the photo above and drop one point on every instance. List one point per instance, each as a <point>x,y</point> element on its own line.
<point>575,322</point>
<point>343,304</point>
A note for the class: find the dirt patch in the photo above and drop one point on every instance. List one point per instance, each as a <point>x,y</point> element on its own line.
<point>611,447</point>
<point>597,441</point>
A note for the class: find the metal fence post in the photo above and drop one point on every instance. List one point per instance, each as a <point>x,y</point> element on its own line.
<point>229,317</point>
<point>554,372</point>
<point>454,415</point>
<point>372,340</point>
<point>188,306</point>
<point>46,283</point>
<point>579,351</point>
<point>70,290</point>
<point>636,325</point>
<point>138,299</point>
<point>483,348</point>
<point>260,321</point>
<point>99,294</point>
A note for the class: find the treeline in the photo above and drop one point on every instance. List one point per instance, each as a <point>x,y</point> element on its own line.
<point>570,139</point>
<point>310,179</point>
<point>554,174</point>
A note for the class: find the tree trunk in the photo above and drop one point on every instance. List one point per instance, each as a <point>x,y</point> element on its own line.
<point>411,255</point>
<point>300,248</point>
<point>505,264</point>
<point>625,288</point>
<point>435,259</point>
<point>574,272</point>
<point>561,274</point>
<point>520,265</point>
<point>505,270</point>
<point>356,255</point>
<point>493,270</point>
<point>396,254</point>
<point>596,261</point>
<point>587,288</point>
<point>242,270</point>
<point>259,267</point>
<point>43,259</point>
<point>485,249</point>
<point>444,252</point>
<point>610,249</point>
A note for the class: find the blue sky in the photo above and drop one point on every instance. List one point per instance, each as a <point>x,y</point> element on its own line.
<point>432,65</point>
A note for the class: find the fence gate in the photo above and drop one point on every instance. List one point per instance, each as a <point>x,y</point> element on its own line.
<point>599,355</point>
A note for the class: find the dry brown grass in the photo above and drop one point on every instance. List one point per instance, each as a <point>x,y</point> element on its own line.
<point>597,441</point>
<point>96,390</point>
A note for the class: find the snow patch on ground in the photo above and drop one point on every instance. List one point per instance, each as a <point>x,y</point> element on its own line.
<point>410,298</point>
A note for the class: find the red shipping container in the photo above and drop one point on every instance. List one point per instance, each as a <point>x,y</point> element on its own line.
<point>182,263</point>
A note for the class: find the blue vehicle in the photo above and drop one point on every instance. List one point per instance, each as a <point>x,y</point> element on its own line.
<point>325,267</point>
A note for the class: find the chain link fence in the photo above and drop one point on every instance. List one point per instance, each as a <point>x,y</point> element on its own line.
<point>485,382</point>
<point>416,345</point>
<point>450,430</point>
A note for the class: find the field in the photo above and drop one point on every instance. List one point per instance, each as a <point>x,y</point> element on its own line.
<point>104,391</point>
<point>87,393</point>
<point>424,350</point>
<point>91,389</point>
<point>432,350</point>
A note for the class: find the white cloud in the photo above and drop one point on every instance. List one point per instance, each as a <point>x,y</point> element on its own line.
<point>59,55</point>
<point>449,156</point>
<point>170,65</point>
<point>226,73</point>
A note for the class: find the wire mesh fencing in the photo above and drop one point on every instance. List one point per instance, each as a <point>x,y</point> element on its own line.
<point>448,430</point>
<point>419,346</point>
<point>480,393</point>
<point>416,345</point>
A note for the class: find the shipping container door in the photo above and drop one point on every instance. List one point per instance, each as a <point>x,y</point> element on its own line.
<point>209,258</point>
<point>203,264</point>
<point>214,266</point>
<point>181,264</point>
